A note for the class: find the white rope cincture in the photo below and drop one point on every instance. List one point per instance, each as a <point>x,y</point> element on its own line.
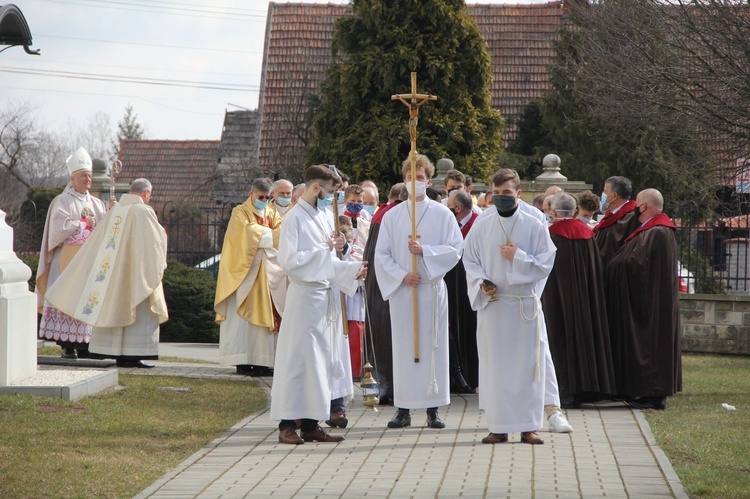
<point>332,316</point>
<point>537,346</point>
<point>432,389</point>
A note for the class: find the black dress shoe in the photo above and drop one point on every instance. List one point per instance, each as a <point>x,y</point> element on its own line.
<point>133,364</point>
<point>254,371</point>
<point>69,353</point>
<point>459,384</point>
<point>433,420</point>
<point>402,419</point>
<point>83,353</point>
<point>656,403</point>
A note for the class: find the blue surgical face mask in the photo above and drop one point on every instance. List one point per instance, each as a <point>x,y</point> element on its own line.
<point>282,201</point>
<point>340,199</point>
<point>369,209</point>
<point>260,205</point>
<point>324,202</point>
<point>354,208</point>
<point>584,220</point>
<point>603,204</point>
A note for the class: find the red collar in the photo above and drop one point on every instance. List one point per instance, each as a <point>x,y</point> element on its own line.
<point>378,216</point>
<point>611,218</point>
<point>346,213</point>
<point>572,228</point>
<point>467,226</point>
<point>659,220</point>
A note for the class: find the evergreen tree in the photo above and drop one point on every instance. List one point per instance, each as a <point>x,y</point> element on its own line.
<point>360,129</point>
<point>532,143</point>
<point>663,154</point>
<point>128,128</point>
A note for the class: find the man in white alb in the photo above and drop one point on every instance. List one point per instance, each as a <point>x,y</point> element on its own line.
<point>424,384</point>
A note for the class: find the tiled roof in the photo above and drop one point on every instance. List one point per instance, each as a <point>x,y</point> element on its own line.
<point>238,156</point>
<point>519,38</point>
<point>178,169</point>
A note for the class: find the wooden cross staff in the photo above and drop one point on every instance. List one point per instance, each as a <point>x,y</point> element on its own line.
<point>414,101</point>
<point>337,229</point>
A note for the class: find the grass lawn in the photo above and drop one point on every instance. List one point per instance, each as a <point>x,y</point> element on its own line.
<point>709,447</point>
<point>117,443</point>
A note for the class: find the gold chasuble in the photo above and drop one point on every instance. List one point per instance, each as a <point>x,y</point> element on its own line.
<point>238,255</point>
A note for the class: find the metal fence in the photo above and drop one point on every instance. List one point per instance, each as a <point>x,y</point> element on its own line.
<point>195,236</point>
<point>713,252</point>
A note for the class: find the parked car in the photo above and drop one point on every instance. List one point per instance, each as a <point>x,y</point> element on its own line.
<point>687,281</point>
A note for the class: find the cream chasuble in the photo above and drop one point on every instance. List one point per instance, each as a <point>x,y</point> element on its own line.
<point>309,353</point>
<point>511,334</point>
<point>424,384</point>
<point>115,280</point>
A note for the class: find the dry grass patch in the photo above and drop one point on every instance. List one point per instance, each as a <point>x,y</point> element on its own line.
<point>114,444</point>
<point>709,447</point>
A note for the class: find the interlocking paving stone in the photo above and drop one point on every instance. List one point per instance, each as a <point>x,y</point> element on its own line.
<point>611,453</point>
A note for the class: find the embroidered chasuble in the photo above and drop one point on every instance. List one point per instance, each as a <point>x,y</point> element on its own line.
<point>119,268</point>
<point>65,231</point>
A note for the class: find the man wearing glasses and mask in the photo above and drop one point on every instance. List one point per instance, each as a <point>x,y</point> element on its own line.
<point>250,286</point>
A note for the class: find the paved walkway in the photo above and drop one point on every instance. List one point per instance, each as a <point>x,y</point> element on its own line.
<point>611,453</point>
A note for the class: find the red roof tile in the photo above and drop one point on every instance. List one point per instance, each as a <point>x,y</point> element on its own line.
<point>519,38</point>
<point>177,169</point>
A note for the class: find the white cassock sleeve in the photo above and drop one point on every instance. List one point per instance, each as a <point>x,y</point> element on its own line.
<point>475,274</point>
<point>440,259</point>
<point>313,261</point>
<point>390,275</point>
<point>527,268</point>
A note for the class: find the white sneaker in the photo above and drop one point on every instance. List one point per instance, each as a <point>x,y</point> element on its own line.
<point>558,423</point>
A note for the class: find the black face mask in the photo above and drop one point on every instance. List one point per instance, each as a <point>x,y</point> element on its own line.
<point>504,203</point>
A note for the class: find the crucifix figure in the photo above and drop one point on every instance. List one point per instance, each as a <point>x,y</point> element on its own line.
<point>414,101</point>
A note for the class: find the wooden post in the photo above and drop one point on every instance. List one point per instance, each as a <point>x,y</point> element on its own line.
<point>414,101</point>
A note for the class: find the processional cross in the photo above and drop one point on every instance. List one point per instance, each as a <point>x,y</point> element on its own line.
<point>414,101</point>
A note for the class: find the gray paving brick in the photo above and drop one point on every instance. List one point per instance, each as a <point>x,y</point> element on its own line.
<point>607,455</point>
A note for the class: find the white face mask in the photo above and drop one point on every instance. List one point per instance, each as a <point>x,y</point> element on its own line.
<point>421,188</point>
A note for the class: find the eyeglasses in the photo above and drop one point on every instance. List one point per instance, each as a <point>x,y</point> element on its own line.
<point>264,198</point>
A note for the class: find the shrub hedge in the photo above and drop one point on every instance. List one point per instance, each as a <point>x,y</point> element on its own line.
<point>190,299</point>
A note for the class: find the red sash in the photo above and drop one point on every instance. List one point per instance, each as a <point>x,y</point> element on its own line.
<point>572,228</point>
<point>467,226</point>
<point>611,219</point>
<point>659,220</point>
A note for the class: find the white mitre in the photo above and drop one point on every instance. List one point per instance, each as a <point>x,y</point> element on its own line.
<point>79,160</point>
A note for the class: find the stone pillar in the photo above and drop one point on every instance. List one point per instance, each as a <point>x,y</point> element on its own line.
<point>101,182</point>
<point>17,313</point>
<point>441,168</point>
<point>549,177</point>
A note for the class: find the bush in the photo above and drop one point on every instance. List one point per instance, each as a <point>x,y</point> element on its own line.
<point>190,299</point>
<point>32,260</point>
